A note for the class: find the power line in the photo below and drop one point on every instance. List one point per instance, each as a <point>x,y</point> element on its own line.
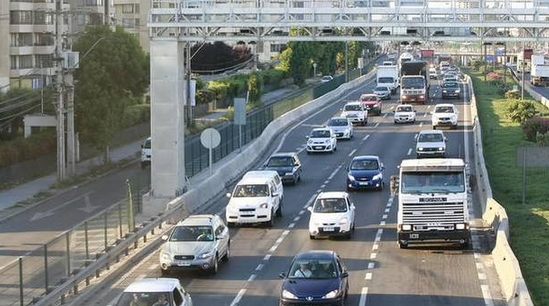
<point>20,113</point>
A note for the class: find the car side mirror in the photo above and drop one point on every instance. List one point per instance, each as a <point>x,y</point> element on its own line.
<point>353,206</point>
<point>165,237</point>
<point>307,136</point>
<point>345,274</point>
<point>310,208</point>
<point>282,275</point>
<point>228,194</point>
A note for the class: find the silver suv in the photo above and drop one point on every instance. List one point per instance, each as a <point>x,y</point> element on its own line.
<point>198,242</point>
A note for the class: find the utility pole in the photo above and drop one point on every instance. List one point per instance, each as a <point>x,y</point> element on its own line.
<point>188,55</point>
<point>71,147</point>
<point>60,98</point>
<point>346,61</point>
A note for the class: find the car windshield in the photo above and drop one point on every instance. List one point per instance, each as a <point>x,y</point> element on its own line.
<point>312,269</point>
<point>381,88</point>
<point>444,109</point>
<point>368,98</point>
<point>405,109</point>
<point>321,134</point>
<point>430,137</point>
<point>326,78</point>
<point>353,107</point>
<point>144,299</point>
<point>413,83</point>
<point>450,85</point>
<point>338,122</point>
<point>192,233</point>
<point>385,80</point>
<point>331,205</point>
<point>433,182</point>
<point>280,161</point>
<point>251,191</point>
<point>364,165</point>
<point>147,144</point>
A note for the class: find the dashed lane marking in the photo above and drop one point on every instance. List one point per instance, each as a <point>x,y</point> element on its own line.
<point>420,124</point>
<point>259,267</point>
<point>382,223</point>
<point>301,212</point>
<point>238,297</point>
<point>409,151</point>
<point>252,278</point>
<point>267,257</point>
<point>368,276</point>
<point>363,296</point>
<point>366,137</point>
<point>291,225</point>
<point>371,265</point>
<point>377,124</point>
<point>297,219</point>
<point>373,256</point>
<point>352,153</point>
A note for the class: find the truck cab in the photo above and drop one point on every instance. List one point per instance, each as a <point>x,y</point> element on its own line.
<point>432,202</point>
<point>414,83</point>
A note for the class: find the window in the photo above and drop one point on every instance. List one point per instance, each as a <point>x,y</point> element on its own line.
<point>178,300</point>
<point>41,17</point>
<point>44,60</point>
<point>25,61</point>
<point>24,39</point>
<point>20,17</point>
<point>128,9</point>
<point>44,39</point>
<point>278,47</point>
<point>13,62</point>
<point>128,23</point>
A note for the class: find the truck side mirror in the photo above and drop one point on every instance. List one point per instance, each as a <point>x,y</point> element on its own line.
<point>394,185</point>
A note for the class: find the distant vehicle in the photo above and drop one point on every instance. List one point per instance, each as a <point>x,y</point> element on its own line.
<point>430,144</point>
<point>146,153</point>
<point>445,115</point>
<point>414,82</point>
<point>451,78</point>
<point>405,113</point>
<point>315,277</point>
<point>391,56</point>
<point>444,66</point>
<point>326,79</point>
<point>332,214</point>
<point>388,76</point>
<point>365,172</point>
<point>255,199</point>
<point>539,75</point>
<point>387,63</point>
<point>404,57</point>
<point>383,92</point>
<point>324,139</point>
<point>287,165</point>
<point>451,89</point>
<point>433,74</point>
<point>341,127</point>
<point>198,242</point>
<point>372,103</point>
<point>355,112</point>
<point>149,291</point>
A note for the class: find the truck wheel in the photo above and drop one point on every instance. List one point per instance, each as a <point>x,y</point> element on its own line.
<point>464,244</point>
<point>402,245</point>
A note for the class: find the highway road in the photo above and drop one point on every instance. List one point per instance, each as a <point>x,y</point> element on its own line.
<point>380,272</point>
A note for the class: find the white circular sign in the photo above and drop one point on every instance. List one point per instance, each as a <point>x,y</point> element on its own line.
<point>210,138</point>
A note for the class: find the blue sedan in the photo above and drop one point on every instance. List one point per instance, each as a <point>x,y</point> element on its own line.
<point>365,172</point>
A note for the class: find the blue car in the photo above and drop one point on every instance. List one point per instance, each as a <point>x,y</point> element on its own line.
<point>287,165</point>
<point>365,172</point>
<point>315,278</point>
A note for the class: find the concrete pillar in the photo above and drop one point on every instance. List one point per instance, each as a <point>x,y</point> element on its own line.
<point>167,119</point>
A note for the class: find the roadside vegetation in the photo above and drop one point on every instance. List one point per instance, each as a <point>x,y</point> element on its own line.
<point>508,124</point>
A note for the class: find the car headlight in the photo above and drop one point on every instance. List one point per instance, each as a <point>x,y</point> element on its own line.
<point>422,96</point>
<point>420,149</point>
<point>343,221</point>
<point>310,142</point>
<point>263,205</point>
<point>377,177</point>
<point>166,256</point>
<point>445,91</point>
<point>458,90</point>
<point>288,295</point>
<point>350,177</point>
<point>332,294</point>
<point>404,97</point>
<point>206,255</point>
<point>406,227</point>
<point>441,149</point>
<point>327,141</point>
<point>460,226</point>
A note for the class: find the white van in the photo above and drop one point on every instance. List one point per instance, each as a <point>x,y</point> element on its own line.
<point>257,198</point>
<point>146,153</point>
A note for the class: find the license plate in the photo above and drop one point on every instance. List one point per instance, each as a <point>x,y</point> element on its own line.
<point>328,229</point>
<point>414,236</point>
<point>184,264</point>
<point>318,148</point>
<point>364,183</point>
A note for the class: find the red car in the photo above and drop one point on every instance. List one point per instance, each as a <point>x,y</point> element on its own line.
<point>372,103</point>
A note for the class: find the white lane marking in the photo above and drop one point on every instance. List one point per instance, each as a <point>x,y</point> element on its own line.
<point>252,278</point>
<point>377,124</point>
<point>238,297</point>
<point>385,116</point>
<point>323,186</point>
<point>326,181</point>
<point>486,295</point>
<point>371,265</point>
<point>373,256</point>
<point>479,265</point>
<point>382,223</point>
<point>409,151</point>
<point>392,107</point>
<point>352,153</point>
<point>482,276</point>
<point>378,235</point>
<point>267,257</point>
<point>273,248</point>
<point>476,255</point>
<point>259,267</point>
<point>366,137</point>
<point>279,240</point>
<point>297,219</point>
<point>318,190</point>
<point>291,225</point>
<point>425,115</point>
<point>421,124</point>
<point>387,210</point>
<point>363,296</point>
<point>375,246</point>
<point>389,204</point>
<point>301,212</point>
<point>368,276</point>
<point>285,233</point>
<point>384,217</point>
<point>154,266</point>
<point>429,107</point>
<point>415,136</point>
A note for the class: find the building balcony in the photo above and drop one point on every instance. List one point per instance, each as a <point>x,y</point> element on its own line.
<point>22,50</point>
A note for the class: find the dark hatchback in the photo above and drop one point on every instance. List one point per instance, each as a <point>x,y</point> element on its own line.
<point>315,278</point>
<point>365,172</point>
<point>287,165</point>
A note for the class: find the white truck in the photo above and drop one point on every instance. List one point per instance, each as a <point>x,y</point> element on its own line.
<point>404,57</point>
<point>539,75</point>
<point>388,76</point>
<point>432,201</point>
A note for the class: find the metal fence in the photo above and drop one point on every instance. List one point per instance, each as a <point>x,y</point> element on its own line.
<point>533,163</point>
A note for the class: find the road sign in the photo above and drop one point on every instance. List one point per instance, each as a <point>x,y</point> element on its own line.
<point>210,138</point>
<point>240,111</point>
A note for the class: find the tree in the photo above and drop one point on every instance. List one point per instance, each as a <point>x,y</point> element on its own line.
<point>254,87</point>
<point>300,61</point>
<point>218,56</point>
<point>111,77</point>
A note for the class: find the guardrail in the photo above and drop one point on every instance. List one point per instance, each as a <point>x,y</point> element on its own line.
<point>178,208</point>
<point>507,266</point>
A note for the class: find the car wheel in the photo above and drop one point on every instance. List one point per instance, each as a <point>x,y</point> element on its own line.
<point>402,245</point>
<point>434,127</point>
<point>228,254</point>
<point>165,272</point>
<point>349,235</point>
<point>335,149</point>
<point>215,266</point>
<point>312,237</point>
<point>380,188</point>
<point>279,210</point>
<point>350,189</point>
<point>465,244</point>
<point>270,223</point>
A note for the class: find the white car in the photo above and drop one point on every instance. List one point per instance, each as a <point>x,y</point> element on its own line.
<point>332,214</point>
<point>326,79</point>
<point>199,242</point>
<point>341,127</point>
<point>383,92</point>
<point>433,73</point>
<point>405,113</point>
<point>450,77</point>
<point>431,144</point>
<point>146,153</point>
<point>387,63</point>
<point>155,291</point>
<point>322,140</point>
<point>445,115</point>
<point>355,112</point>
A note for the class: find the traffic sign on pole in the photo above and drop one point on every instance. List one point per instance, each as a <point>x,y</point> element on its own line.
<point>210,139</point>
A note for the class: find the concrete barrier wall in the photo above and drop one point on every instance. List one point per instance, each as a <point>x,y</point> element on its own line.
<point>507,266</point>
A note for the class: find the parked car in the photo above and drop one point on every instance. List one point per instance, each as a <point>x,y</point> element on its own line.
<point>146,153</point>
<point>287,165</point>
<point>355,112</point>
<point>405,113</point>
<point>431,144</point>
<point>322,140</point>
<point>445,115</point>
<point>332,214</point>
<point>155,291</point>
<point>255,199</point>
<point>341,127</point>
<point>365,172</point>
<point>199,242</point>
<point>451,89</point>
<point>382,92</point>
<point>326,79</point>
<point>315,277</point>
<point>372,103</point>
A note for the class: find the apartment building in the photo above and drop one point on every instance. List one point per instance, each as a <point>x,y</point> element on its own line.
<point>132,15</point>
<point>90,12</point>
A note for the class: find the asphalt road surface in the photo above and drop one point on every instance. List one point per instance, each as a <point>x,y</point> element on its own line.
<point>380,272</point>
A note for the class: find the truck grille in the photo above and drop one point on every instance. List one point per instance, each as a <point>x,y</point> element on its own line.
<point>426,215</point>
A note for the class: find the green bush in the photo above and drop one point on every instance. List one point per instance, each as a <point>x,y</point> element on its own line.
<point>520,111</point>
<point>254,87</point>
<point>543,139</point>
<point>136,114</point>
<point>272,77</point>
<point>24,149</point>
<point>531,128</point>
<point>512,94</point>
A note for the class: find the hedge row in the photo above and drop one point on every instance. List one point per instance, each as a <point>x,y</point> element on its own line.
<point>25,149</point>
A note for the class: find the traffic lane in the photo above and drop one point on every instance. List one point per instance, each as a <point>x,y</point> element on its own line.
<point>370,207</point>
<point>544,91</point>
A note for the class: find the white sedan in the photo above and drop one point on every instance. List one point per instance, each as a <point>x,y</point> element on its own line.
<point>332,214</point>
<point>321,140</point>
<point>405,113</point>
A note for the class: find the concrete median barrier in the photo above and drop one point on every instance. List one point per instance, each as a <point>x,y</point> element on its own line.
<point>513,286</point>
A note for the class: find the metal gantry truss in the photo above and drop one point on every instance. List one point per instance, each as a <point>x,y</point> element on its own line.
<point>348,20</point>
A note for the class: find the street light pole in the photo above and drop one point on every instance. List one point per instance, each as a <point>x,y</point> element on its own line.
<point>523,64</point>
<point>60,98</point>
